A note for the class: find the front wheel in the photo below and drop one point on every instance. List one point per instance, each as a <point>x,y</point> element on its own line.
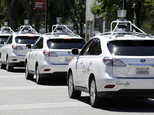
<point>94,99</point>
<point>71,91</point>
<point>27,74</point>
<point>8,67</point>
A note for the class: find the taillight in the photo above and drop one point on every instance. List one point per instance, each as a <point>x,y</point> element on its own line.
<point>17,47</point>
<point>113,62</point>
<point>50,53</point>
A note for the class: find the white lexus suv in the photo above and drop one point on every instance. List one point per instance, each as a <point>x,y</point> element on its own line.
<point>14,50</point>
<point>51,53</point>
<point>5,32</point>
<point>117,63</point>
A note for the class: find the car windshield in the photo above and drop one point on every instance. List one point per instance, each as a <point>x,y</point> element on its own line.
<point>132,47</point>
<point>3,38</point>
<point>26,39</point>
<point>65,43</point>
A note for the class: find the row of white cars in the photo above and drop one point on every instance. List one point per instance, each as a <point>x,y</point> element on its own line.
<point>41,55</point>
<point>112,64</point>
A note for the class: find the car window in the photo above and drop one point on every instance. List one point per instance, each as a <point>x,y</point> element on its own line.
<point>65,43</point>
<point>132,47</point>
<point>26,39</point>
<point>93,47</point>
<point>3,38</point>
<point>9,40</point>
<point>85,49</point>
<point>38,44</point>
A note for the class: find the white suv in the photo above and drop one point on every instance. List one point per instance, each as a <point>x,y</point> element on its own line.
<point>5,32</point>
<point>14,50</point>
<point>117,63</point>
<point>51,53</point>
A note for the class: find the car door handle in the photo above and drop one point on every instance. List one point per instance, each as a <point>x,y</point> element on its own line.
<point>81,62</point>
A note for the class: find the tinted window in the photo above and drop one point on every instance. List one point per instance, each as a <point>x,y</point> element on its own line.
<point>3,38</point>
<point>92,48</point>
<point>65,43</point>
<point>85,49</point>
<point>38,44</point>
<point>95,48</point>
<point>26,39</point>
<point>132,48</point>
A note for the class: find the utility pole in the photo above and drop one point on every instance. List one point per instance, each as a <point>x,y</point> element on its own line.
<point>124,5</point>
<point>46,16</point>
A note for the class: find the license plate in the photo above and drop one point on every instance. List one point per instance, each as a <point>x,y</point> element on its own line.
<point>142,71</point>
<point>68,59</point>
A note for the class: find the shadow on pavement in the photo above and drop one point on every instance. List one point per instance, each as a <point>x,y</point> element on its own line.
<point>124,105</point>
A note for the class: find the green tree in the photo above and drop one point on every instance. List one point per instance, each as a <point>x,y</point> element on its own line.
<point>77,14</point>
<point>136,9</point>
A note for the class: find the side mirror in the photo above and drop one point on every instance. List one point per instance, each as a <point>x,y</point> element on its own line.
<point>28,46</point>
<point>2,42</point>
<point>75,51</point>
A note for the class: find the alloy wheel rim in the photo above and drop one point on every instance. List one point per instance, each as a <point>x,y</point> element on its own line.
<point>92,92</point>
<point>37,75</point>
<point>7,64</point>
<point>70,85</point>
<point>26,70</point>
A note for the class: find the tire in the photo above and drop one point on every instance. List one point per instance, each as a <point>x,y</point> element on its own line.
<point>71,91</point>
<point>8,67</point>
<point>2,66</point>
<point>27,74</point>
<point>38,76</point>
<point>94,99</point>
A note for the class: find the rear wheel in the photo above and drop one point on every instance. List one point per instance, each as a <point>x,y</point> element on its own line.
<point>71,91</point>
<point>27,74</point>
<point>8,67</point>
<point>38,76</point>
<point>94,99</point>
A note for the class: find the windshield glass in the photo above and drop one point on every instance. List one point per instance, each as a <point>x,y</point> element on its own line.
<point>65,43</point>
<point>3,38</point>
<point>26,39</point>
<point>132,47</point>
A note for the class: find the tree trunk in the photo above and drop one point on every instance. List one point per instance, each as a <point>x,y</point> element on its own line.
<point>37,21</point>
<point>12,13</point>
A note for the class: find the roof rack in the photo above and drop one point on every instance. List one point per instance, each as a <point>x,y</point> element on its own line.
<point>61,30</point>
<point>5,29</point>
<point>120,27</point>
<point>24,29</point>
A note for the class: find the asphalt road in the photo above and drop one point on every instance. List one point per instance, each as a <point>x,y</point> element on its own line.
<point>19,96</point>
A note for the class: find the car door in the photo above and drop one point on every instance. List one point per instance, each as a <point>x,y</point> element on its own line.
<point>34,53</point>
<point>80,65</point>
<point>90,61</point>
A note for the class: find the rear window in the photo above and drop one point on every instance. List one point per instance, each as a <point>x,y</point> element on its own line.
<point>65,43</point>
<point>132,47</point>
<point>26,39</point>
<point>3,38</point>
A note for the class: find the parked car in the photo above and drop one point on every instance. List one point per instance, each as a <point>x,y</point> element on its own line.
<point>14,50</point>
<point>51,53</point>
<point>5,32</point>
<point>112,64</point>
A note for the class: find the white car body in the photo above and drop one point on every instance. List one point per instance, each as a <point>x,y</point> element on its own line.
<point>112,71</point>
<point>14,50</point>
<point>51,54</point>
<point>5,32</point>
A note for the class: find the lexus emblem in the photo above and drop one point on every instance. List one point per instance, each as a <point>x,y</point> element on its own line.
<point>69,52</point>
<point>143,60</point>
